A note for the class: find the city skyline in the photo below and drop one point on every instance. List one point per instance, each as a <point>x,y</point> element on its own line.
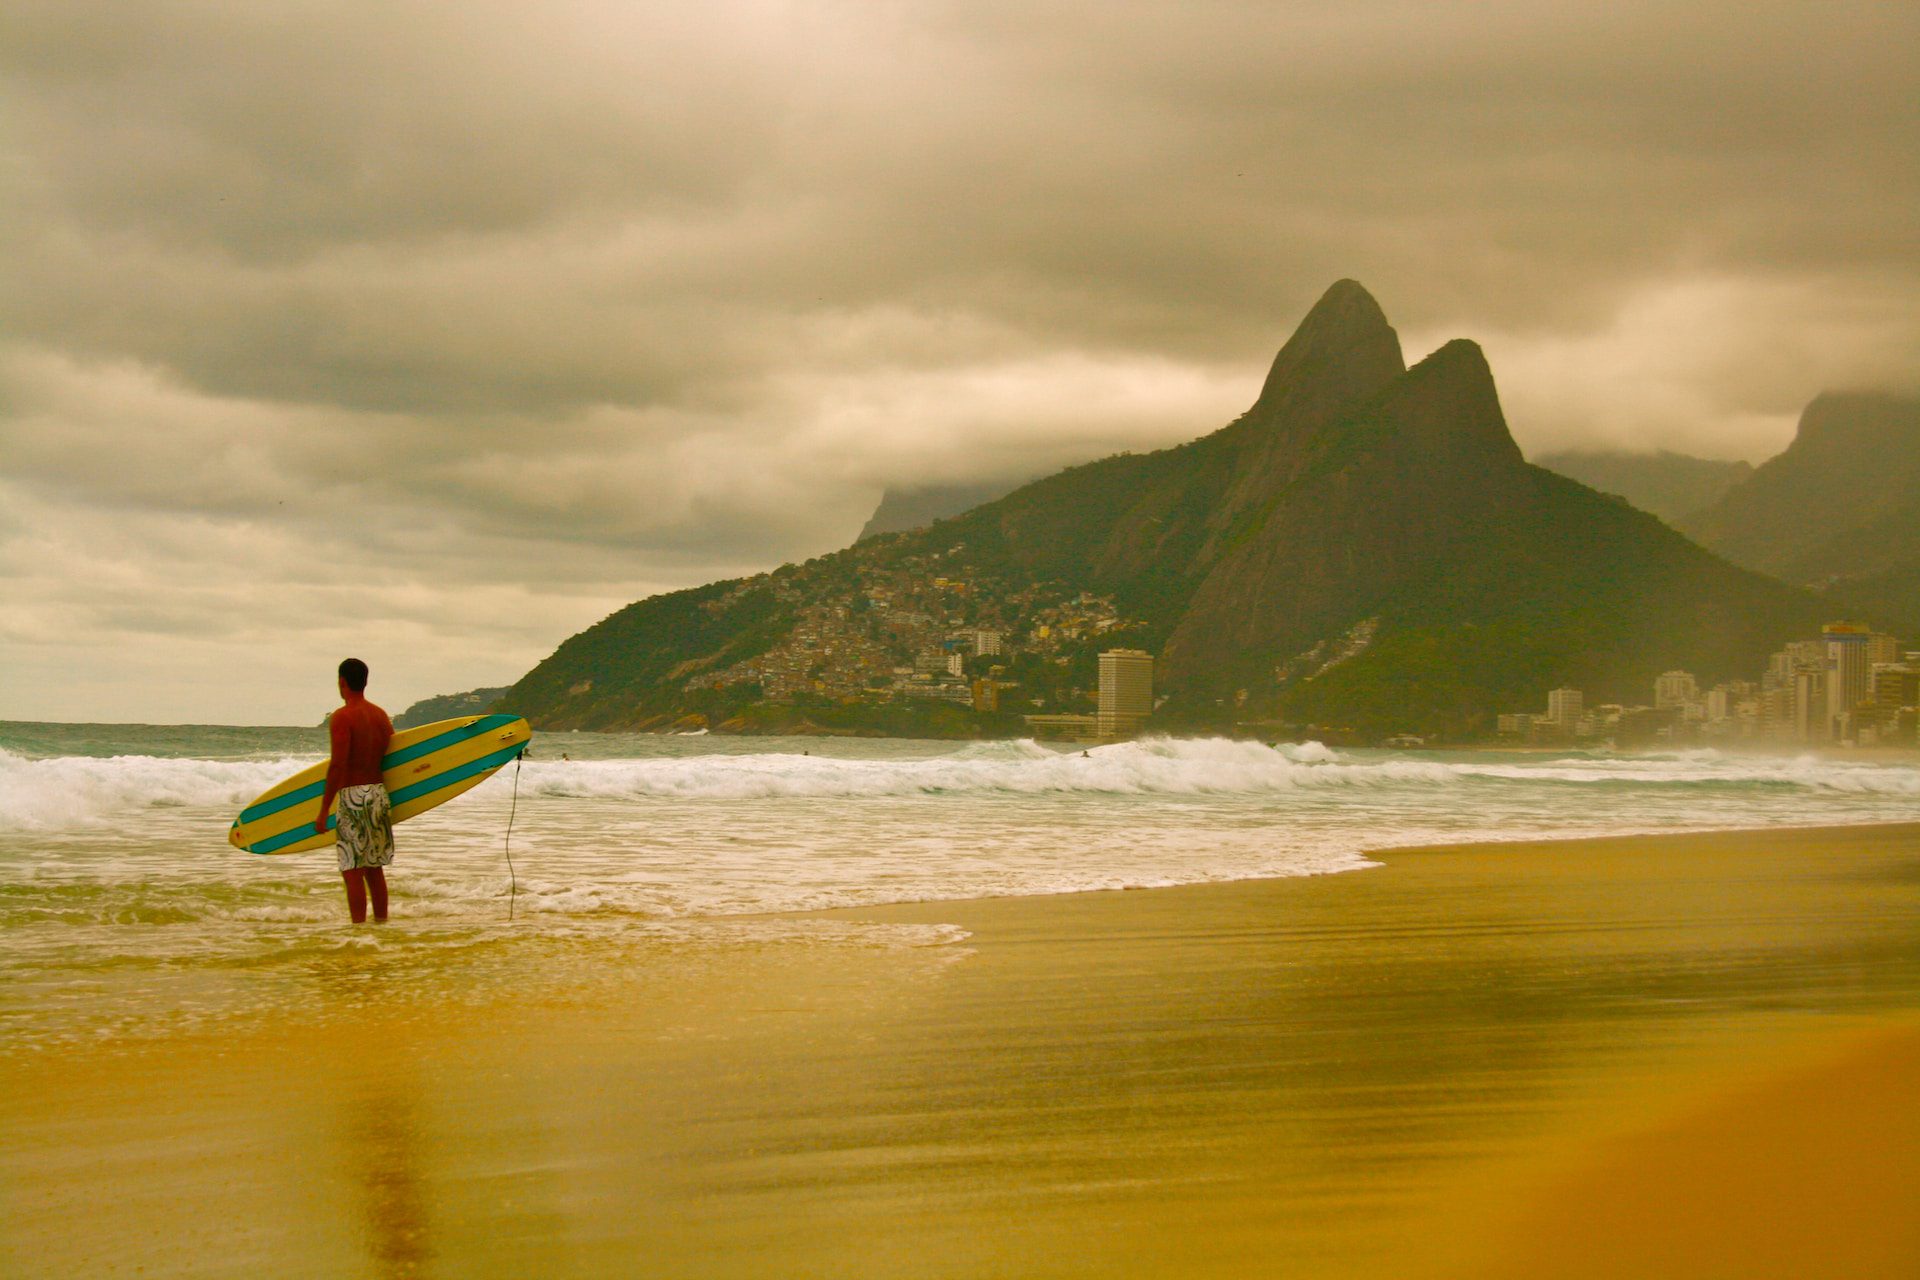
<point>1851,686</point>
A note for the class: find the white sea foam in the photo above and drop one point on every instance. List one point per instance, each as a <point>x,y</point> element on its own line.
<point>80,792</point>
<point>76,792</point>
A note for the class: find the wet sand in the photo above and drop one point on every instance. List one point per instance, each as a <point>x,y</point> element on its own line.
<point>1686,1056</point>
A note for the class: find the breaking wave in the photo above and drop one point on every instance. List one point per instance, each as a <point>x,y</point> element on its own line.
<point>1173,767</point>
<point>1160,767</point>
<point>69,792</point>
<point>77,792</point>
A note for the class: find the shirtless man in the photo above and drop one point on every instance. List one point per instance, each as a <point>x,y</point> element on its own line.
<point>360,732</point>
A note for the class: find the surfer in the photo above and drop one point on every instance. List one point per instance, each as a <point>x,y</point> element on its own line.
<point>359,732</point>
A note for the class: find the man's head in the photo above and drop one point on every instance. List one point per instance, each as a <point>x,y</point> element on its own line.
<point>353,675</point>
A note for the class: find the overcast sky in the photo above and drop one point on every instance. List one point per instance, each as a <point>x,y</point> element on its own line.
<point>435,332</point>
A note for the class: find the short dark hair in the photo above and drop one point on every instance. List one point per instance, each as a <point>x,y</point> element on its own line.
<point>354,672</point>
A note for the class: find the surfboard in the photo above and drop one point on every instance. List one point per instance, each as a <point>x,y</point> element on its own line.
<point>424,767</point>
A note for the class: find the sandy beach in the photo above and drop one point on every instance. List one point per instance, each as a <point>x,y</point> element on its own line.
<point>1685,1055</point>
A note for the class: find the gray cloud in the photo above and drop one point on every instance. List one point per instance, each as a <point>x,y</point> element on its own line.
<point>555,305</point>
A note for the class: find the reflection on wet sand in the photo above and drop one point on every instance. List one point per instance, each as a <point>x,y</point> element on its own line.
<point>379,1134</point>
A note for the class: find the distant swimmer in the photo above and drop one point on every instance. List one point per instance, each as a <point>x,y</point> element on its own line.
<point>360,733</point>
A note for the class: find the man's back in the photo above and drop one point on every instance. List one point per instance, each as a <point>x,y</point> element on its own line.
<point>360,732</point>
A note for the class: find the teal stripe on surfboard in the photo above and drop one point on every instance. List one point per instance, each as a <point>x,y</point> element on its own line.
<point>273,844</point>
<point>312,791</point>
<point>447,739</point>
<point>485,764</point>
<point>392,759</point>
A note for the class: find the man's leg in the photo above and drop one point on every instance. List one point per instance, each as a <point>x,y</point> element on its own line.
<point>357,894</point>
<point>376,878</point>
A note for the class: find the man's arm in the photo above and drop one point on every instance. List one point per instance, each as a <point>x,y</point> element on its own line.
<point>337,739</point>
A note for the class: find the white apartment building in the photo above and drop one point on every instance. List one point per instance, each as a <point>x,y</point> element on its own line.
<point>1126,691</point>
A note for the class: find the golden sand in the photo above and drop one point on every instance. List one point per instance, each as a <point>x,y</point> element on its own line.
<point>1684,1056</point>
<point>1811,1168</point>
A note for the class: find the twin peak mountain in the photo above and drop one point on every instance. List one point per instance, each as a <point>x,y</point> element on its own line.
<point>1364,550</point>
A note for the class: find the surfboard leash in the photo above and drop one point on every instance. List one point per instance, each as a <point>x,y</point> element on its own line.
<point>513,883</point>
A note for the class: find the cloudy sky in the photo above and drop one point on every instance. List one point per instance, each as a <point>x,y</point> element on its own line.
<point>435,332</point>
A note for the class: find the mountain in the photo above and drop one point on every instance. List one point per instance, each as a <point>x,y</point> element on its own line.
<point>1841,502</point>
<point>1839,509</point>
<point>446,706</point>
<point>915,508</point>
<point>1670,485</point>
<point>1363,549</point>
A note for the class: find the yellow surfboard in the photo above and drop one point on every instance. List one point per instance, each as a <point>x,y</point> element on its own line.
<point>424,767</point>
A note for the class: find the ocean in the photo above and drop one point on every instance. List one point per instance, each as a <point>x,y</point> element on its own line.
<point>127,913</point>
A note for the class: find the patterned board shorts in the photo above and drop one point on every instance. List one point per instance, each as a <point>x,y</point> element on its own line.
<point>365,826</point>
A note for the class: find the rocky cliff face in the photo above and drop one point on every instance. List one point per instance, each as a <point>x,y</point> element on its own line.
<point>1198,511</point>
<point>1353,510</point>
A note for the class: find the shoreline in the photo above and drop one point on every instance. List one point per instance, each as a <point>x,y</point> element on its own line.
<point>1427,1071</point>
<point>1380,856</point>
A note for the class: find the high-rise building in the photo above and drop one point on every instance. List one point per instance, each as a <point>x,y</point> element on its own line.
<point>1675,689</point>
<point>1894,682</point>
<point>1803,651</point>
<point>1735,708</point>
<point>1895,685</point>
<point>1776,711</point>
<point>1564,707</point>
<point>986,643</point>
<point>1811,723</point>
<point>1784,711</point>
<point>1798,654</point>
<point>1851,653</point>
<point>1126,691</point>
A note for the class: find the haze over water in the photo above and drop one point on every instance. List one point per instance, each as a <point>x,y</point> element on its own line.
<point>124,907</point>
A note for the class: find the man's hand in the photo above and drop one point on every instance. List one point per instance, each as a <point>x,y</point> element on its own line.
<point>320,825</point>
